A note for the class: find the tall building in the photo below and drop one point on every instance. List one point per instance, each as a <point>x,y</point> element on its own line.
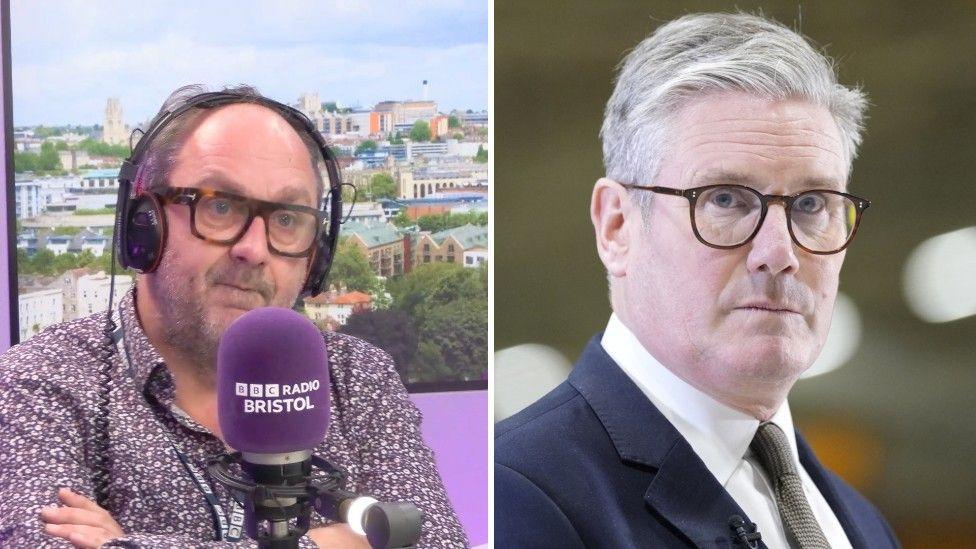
<point>309,103</point>
<point>27,194</point>
<point>114,131</point>
<point>311,106</point>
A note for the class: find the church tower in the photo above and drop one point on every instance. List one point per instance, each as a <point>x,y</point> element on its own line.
<point>114,131</point>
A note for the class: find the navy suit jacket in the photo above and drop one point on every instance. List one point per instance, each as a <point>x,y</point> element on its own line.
<point>595,464</point>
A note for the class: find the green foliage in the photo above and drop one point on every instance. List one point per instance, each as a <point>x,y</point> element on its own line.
<point>351,267</point>
<point>460,330</point>
<point>382,185</point>
<point>439,222</point>
<point>420,131</point>
<point>367,145</point>
<point>459,136</point>
<point>449,307</point>
<point>47,161</point>
<point>430,364</point>
<point>390,330</point>
<point>66,230</point>
<point>396,139</point>
<point>401,219</point>
<point>45,263</point>
<point>99,148</point>
<point>453,122</point>
<point>25,162</point>
<point>60,146</point>
<point>482,155</point>
<point>44,132</point>
<point>95,211</point>
<point>432,284</point>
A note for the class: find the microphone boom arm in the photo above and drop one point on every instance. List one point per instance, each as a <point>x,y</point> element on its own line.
<point>387,525</point>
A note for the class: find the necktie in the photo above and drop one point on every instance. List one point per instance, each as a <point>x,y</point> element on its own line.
<point>773,452</point>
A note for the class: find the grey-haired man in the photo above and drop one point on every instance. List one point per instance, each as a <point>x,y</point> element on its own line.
<point>722,222</point>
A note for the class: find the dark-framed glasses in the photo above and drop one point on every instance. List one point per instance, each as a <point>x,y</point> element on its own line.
<point>820,221</point>
<point>223,218</point>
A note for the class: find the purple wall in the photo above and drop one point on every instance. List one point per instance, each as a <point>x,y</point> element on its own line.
<point>456,428</point>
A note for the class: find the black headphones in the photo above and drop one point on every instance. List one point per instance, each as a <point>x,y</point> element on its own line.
<point>140,222</point>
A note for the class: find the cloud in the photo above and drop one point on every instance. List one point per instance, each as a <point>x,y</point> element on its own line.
<point>69,58</point>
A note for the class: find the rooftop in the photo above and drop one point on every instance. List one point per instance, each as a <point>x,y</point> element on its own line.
<point>469,236</point>
<point>372,235</point>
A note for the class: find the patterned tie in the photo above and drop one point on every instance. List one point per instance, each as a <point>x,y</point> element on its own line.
<point>773,451</point>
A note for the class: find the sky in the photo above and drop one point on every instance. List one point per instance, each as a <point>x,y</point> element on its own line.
<point>70,56</point>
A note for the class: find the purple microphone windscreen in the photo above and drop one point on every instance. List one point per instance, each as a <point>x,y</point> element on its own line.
<point>272,383</point>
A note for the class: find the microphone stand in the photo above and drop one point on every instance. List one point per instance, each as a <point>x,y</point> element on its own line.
<point>279,493</point>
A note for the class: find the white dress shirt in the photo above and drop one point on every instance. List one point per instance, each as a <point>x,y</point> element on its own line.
<point>720,435</point>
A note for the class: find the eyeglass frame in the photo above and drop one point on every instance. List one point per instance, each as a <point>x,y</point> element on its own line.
<point>190,196</point>
<point>787,201</point>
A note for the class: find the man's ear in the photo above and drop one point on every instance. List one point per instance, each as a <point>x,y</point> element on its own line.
<point>612,214</point>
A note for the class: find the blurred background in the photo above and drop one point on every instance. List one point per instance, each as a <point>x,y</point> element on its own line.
<point>889,404</point>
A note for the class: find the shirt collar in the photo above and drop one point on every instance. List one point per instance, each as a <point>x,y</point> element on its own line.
<point>719,434</point>
<point>143,358</point>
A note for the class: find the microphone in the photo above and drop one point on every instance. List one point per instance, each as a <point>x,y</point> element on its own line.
<point>738,526</point>
<point>273,396</point>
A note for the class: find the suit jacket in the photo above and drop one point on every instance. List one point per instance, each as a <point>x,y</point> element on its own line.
<point>595,464</point>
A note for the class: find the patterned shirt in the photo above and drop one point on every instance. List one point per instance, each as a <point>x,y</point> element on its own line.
<point>49,389</point>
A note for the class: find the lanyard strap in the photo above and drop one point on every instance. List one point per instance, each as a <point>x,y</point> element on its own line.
<point>231,531</point>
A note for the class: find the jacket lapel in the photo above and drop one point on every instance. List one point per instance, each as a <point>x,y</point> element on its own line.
<point>683,491</point>
<point>819,476</point>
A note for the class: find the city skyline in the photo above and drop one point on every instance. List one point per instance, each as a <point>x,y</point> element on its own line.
<point>68,60</point>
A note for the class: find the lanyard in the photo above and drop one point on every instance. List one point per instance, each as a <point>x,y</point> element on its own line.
<point>231,530</point>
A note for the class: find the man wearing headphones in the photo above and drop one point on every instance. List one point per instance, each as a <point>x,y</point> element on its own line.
<point>223,217</point>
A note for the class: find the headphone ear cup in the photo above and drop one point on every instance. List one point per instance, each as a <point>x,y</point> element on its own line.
<point>144,234</point>
<point>318,268</point>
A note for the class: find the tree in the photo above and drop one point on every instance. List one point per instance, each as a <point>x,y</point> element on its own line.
<point>401,219</point>
<point>48,160</point>
<point>382,185</point>
<point>429,364</point>
<point>43,262</point>
<point>364,146</point>
<point>420,131</point>
<point>396,138</point>
<point>99,148</point>
<point>43,132</point>
<point>390,330</point>
<point>351,267</point>
<point>25,162</point>
<point>439,222</point>
<point>482,155</point>
<point>433,284</point>
<point>460,331</point>
<point>453,122</point>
